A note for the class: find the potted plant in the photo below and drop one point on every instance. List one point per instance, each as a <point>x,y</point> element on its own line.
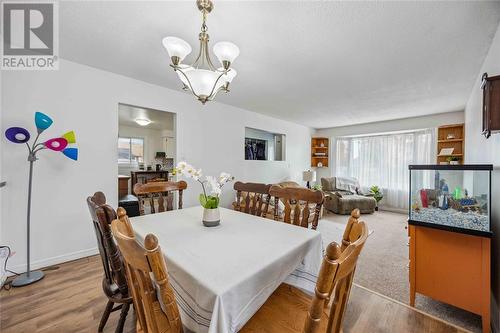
<point>377,194</point>
<point>317,187</point>
<point>212,189</point>
<point>453,160</point>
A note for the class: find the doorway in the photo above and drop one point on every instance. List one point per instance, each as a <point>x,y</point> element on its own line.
<point>146,148</point>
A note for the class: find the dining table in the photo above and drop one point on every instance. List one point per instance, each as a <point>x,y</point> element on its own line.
<point>222,275</point>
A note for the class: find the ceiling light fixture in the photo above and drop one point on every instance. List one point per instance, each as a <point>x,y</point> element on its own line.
<point>202,78</point>
<point>143,121</point>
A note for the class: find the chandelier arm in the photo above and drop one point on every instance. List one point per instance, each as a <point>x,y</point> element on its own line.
<point>215,94</point>
<point>203,52</point>
<point>215,84</point>
<point>209,61</point>
<point>196,62</point>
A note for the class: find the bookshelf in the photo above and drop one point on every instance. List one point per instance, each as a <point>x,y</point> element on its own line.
<point>451,136</point>
<point>319,152</point>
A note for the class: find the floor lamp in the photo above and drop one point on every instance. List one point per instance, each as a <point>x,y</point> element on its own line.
<point>21,135</point>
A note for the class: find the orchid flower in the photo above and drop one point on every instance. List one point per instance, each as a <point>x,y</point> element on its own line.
<point>214,184</point>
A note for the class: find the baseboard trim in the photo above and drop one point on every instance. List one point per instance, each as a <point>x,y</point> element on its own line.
<point>54,260</point>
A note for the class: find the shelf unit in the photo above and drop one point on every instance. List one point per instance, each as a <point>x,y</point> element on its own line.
<point>319,146</point>
<point>451,136</point>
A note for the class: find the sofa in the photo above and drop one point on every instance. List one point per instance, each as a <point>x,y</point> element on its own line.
<point>345,194</point>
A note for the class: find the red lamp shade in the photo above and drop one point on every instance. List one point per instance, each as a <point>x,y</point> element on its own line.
<point>56,144</point>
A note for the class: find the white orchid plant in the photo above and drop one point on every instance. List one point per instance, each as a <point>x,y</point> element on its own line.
<point>212,186</point>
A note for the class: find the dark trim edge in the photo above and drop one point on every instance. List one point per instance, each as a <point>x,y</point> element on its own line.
<point>472,232</point>
<point>478,167</point>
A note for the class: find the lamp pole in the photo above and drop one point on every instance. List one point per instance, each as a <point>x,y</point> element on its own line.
<point>29,277</point>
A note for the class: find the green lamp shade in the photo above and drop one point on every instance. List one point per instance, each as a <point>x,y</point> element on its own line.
<point>71,153</point>
<point>70,137</point>
<point>56,144</point>
<point>17,134</point>
<point>42,121</point>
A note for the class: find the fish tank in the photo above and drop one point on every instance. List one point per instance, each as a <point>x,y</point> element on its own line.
<point>451,197</point>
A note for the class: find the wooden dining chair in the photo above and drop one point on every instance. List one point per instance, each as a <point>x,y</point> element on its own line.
<point>154,300</point>
<point>114,283</point>
<point>252,198</point>
<point>161,193</point>
<point>296,201</point>
<point>285,310</point>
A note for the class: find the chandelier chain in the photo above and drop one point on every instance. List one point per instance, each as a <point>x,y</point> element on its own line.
<point>204,26</point>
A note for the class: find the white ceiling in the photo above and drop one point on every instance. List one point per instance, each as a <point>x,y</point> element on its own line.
<point>160,120</point>
<point>320,64</point>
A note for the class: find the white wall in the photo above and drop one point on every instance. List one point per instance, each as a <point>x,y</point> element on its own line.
<point>482,150</point>
<point>429,121</point>
<point>86,100</point>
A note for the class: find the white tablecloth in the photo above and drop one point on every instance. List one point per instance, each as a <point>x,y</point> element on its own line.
<point>222,275</point>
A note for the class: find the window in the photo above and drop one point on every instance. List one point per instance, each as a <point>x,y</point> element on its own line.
<point>130,150</point>
<point>383,160</point>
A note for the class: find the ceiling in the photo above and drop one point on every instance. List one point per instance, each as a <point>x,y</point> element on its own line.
<point>160,120</point>
<point>317,63</point>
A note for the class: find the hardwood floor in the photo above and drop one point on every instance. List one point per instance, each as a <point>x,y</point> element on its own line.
<point>70,299</point>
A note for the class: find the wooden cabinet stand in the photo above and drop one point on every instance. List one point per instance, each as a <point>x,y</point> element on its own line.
<point>451,267</point>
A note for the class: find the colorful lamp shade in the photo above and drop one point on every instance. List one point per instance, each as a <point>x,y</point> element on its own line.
<point>56,144</point>
<point>70,137</point>
<point>42,121</point>
<point>71,153</point>
<point>17,134</point>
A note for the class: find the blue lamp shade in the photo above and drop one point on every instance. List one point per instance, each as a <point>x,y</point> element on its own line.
<point>56,144</point>
<point>17,134</point>
<point>42,121</point>
<point>71,153</point>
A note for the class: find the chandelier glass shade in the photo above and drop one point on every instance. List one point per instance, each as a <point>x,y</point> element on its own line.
<point>202,78</point>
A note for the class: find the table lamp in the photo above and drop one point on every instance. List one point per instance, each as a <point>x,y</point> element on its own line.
<point>61,144</point>
<point>309,176</point>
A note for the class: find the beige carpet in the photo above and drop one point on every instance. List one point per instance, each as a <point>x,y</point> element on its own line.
<point>383,264</point>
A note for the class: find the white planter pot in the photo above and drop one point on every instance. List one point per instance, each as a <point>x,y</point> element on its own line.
<point>454,162</point>
<point>211,217</point>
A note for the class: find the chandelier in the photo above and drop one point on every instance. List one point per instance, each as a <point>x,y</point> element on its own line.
<point>201,77</point>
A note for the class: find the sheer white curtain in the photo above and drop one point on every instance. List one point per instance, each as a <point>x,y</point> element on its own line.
<point>383,160</point>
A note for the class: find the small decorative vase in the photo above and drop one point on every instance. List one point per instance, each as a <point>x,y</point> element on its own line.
<point>211,217</point>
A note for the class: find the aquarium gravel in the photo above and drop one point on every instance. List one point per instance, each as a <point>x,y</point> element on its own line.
<point>453,218</point>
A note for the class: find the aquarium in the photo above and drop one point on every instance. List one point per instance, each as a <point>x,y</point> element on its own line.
<point>451,197</point>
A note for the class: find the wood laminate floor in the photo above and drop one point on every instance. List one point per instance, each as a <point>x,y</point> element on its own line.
<point>70,299</point>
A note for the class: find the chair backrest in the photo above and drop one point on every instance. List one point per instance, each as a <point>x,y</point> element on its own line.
<point>255,198</point>
<point>350,234</point>
<point>114,270</point>
<point>154,300</point>
<point>160,192</point>
<point>296,201</point>
<point>336,276</point>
